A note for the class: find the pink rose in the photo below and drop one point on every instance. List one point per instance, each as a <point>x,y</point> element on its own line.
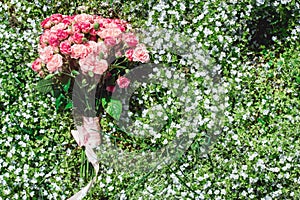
<point>141,54</point>
<point>65,47</point>
<point>77,38</point>
<point>109,32</point>
<point>130,39</point>
<point>110,88</point>
<point>46,23</point>
<point>56,18</point>
<point>85,27</point>
<point>37,65</point>
<point>61,34</point>
<point>83,18</point>
<point>129,54</point>
<point>79,51</point>
<point>123,82</point>
<point>110,41</point>
<point>55,63</point>
<point>53,40</point>
<point>46,53</point>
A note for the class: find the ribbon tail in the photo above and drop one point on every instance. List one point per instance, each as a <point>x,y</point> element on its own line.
<point>82,193</point>
<point>90,138</point>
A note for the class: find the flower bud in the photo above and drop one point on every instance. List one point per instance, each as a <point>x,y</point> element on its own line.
<point>96,26</point>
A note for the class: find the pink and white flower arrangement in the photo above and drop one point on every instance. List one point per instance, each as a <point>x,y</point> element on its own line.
<point>86,41</point>
<point>94,46</point>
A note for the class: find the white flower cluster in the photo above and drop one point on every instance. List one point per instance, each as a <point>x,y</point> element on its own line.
<point>256,155</point>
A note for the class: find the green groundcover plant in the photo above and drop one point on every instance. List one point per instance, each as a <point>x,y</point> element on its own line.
<point>254,43</point>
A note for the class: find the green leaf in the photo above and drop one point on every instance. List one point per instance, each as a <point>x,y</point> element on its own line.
<point>59,101</point>
<point>49,76</point>
<point>104,102</point>
<point>44,86</point>
<point>298,79</point>
<point>114,109</point>
<point>261,121</point>
<point>69,105</point>
<point>74,72</point>
<point>67,86</point>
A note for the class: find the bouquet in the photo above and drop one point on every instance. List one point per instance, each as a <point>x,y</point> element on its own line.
<point>95,50</point>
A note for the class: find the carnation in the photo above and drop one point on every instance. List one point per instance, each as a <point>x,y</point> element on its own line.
<point>65,47</point>
<point>37,65</point>
<point>55,63</point>
<point>79,51</point>
<point>141,54</point>
<point>83,18</point>
<point>123,82</point>
<point>56,18</point>
<point>46,53</point>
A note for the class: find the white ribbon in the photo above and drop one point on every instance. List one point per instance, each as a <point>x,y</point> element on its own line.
<point>88,135</point>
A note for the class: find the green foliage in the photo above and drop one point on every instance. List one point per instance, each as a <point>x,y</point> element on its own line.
<point>113,108</point>
<point>257,154</point>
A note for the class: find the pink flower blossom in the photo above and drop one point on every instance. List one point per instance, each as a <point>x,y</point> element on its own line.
<point>83,18</point>
<point>46,23</point>
<point>79,51</point>
<point>101,67</point>
<point>110,41</point>
<point>93,63</point>
<point>44,38</point>
<point>61,34</point>
<point>41,74</point>
<point>37,65</point>
<point>75,28</point>
<point>130,39</point>
<point>141,54</point>
<point>122,28</point>
<point>129,54</point>
<point>109,32</point>
<point>43,41</point>
<point>67,20</point>
<point>56,18</point>
<point>98,48</point>
<point>77,38</point>
<point>61,26</point>
<point>123,82</point>
<point>53,40</point>
<point>85,27</point>
<point>65,47</point>
<point>55,63</point>
<point>118,54</point>
<point>46,53</point>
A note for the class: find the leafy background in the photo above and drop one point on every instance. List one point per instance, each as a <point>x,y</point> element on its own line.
<point>256,44</point>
